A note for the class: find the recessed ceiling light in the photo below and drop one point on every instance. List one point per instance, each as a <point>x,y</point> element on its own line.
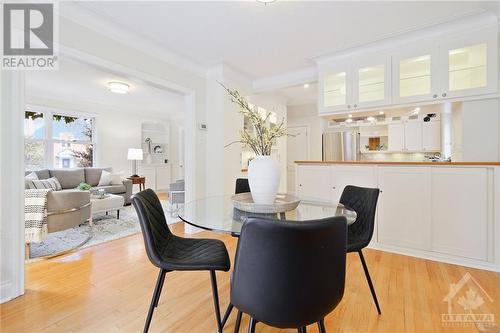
<point>381,112</point>
<point>118,87</point>
<point>350,116</point>
<point>349,120</point>
<point>306,85</point>
<point>370,118</point>
<point>415,111</point>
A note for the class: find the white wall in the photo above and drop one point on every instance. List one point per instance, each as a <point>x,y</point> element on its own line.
<point>308,115</point>
<point>480,137</point>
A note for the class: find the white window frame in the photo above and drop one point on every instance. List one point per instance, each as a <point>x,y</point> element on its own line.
<point>48,140</point>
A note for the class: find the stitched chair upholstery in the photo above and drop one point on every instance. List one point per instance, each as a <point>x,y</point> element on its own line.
<point>242,186</point>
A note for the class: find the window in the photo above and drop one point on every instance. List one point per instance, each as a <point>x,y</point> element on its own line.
<point>57,140</point>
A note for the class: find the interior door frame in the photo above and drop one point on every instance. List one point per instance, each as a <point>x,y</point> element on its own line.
<point>308,128</point>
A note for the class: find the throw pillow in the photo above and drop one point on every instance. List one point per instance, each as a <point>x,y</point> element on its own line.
<point>31,176</point>
<point>117,178</point>
<point>51,183</point>
<point>105,178</point>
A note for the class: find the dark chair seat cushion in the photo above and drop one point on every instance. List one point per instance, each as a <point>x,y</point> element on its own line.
<point>190,254</point>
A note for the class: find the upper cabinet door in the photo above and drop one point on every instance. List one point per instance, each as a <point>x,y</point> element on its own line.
<point>415,75</point>
<point>470,65</point>
<point>372,83</point>
<point>335,89</point>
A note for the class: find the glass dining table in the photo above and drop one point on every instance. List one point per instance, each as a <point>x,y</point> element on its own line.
<point>216,213</point>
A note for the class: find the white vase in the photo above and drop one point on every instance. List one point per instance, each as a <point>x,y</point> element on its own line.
<point>264,179</point>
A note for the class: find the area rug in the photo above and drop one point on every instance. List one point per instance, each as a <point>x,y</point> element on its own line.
<point>105,228</point>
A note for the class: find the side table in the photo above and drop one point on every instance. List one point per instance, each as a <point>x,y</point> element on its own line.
<point>139,180</point>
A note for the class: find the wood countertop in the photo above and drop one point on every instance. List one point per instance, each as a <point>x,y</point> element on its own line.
<point>402,163</point>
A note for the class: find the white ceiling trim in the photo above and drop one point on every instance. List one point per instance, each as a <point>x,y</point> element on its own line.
<point>305,75</point>
<point>78,14</point>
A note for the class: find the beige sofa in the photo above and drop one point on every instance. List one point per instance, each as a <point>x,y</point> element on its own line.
<point>70,206</point>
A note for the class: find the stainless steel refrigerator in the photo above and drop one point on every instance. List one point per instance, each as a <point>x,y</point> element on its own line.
<point>341,146</point>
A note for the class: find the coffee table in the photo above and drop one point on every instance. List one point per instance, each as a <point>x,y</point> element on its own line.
<point>108,203</point>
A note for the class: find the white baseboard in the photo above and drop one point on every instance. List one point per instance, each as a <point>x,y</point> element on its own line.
<point>6,291</point>
<point>440,257</point>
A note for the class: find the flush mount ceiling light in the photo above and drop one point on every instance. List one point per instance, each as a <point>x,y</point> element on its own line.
<point>306,85</point>
<point>265,2</point>
<point>118,87</point>
<point>381,112</point>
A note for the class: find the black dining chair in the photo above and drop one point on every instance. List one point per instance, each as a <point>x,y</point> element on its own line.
<point>289,274</point>
<point>359,234</point>
<point>170,253</point>
<point>242,186</point>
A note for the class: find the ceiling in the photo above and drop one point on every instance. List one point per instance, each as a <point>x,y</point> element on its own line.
<point>300,95</point>
<point>87,85</point>
<point>266,40</point>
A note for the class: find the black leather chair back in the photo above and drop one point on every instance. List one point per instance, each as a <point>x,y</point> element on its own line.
<point>153,224</point>
<point>289,274</point>
<point>242,186</point>
<point>364,202</point>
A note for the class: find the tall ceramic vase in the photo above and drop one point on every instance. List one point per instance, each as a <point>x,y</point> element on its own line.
<point>264,179</point>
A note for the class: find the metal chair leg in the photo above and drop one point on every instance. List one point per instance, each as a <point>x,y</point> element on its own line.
<point>302,330</point>
<point>370,284</point>
<point>159,290</point>
<point>227,314</point>
<point>321,326</point>
<point>215,293</point>
<point>238,322</point>
<point>154,299</point>
<point>251,325</point>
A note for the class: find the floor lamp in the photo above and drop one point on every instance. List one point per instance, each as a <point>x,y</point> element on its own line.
<point>134,155</point>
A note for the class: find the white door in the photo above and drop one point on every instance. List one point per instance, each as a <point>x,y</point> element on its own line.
<point>297,150</point>
<point>314,183</point>
<point>404,207</point>
<point>470,64</point>
<point>413,136</point>
<point>460,212</point>
<point>150,174</point>
<point>396,137</point>
<point>372,82</point>
<point>415,74</point>
<point>163,178</point>
<point>431,136</point>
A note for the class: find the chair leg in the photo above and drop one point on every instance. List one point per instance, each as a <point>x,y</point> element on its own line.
<point>159,290</point>
<point>370,284</point>
<point>302,330</point>
<point>251,325</point>
<point>154,300</point>
<point>238,322</point>
<point>215,293</point>
<point>227,314</point>
<point>321,326</point>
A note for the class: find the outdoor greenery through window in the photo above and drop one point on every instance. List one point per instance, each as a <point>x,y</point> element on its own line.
<point>54,140</point>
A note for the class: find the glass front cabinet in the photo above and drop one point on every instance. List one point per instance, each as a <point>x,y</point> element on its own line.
<point>335,89</point>
<point>372,83</point>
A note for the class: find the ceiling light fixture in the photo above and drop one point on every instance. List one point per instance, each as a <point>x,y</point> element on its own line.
<point>265,2</point>
<point>306,85</point>
<point>118,87</point>
<point>370,118</point>
<point>350,116</point>
<point>349,120</point>
<point>381,112</point>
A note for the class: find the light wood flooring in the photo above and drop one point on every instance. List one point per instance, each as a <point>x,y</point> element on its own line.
<point>107,288</point>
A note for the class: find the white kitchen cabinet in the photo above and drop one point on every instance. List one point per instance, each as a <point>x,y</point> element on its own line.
<point>372,82</point>
<point>413,135</point>
<point>415,75</point>
<point>469,64</point>
<point>314,183</point>
<point>404,207</point>
<point>396,137</point>
<point>341,176</point>
<point>431,136</point>
<point>460,212</point>
<point>335,88</point>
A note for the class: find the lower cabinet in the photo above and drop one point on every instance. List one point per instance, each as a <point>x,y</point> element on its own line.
<point>460,212</point>
<point>342,176</point>
<point>404,207</point>
<point>313,182</point>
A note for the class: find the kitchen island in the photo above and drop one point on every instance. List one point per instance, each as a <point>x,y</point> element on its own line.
<point>445,211</point>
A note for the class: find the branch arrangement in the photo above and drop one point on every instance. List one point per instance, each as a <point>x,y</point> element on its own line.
<point>265,135</point>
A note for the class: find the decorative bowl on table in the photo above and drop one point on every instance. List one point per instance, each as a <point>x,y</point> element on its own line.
<point>282,203</point>
<point>98,193</point>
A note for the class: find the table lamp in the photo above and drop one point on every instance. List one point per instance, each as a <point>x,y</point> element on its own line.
<point>134,154</point>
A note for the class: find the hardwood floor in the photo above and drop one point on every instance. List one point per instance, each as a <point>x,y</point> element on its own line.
<point>108,287</point>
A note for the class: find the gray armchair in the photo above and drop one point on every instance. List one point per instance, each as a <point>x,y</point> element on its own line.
<point>176,195</point>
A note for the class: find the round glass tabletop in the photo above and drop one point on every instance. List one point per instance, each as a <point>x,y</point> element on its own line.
<point>218,214</point>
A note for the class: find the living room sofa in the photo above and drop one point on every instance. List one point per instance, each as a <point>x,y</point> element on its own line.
<point>70,206</point>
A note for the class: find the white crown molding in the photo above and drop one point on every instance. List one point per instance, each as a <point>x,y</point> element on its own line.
<point>472,22</point>
<point>78,14</point>
<point>289,79</point>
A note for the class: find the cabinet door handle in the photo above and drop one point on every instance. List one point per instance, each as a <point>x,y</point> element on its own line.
<point>355,105</point>
<point>348,106</point>
<point>435,96</point>
<point>300,185</point>
<point>334,187</point>
<point>444,95</point>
